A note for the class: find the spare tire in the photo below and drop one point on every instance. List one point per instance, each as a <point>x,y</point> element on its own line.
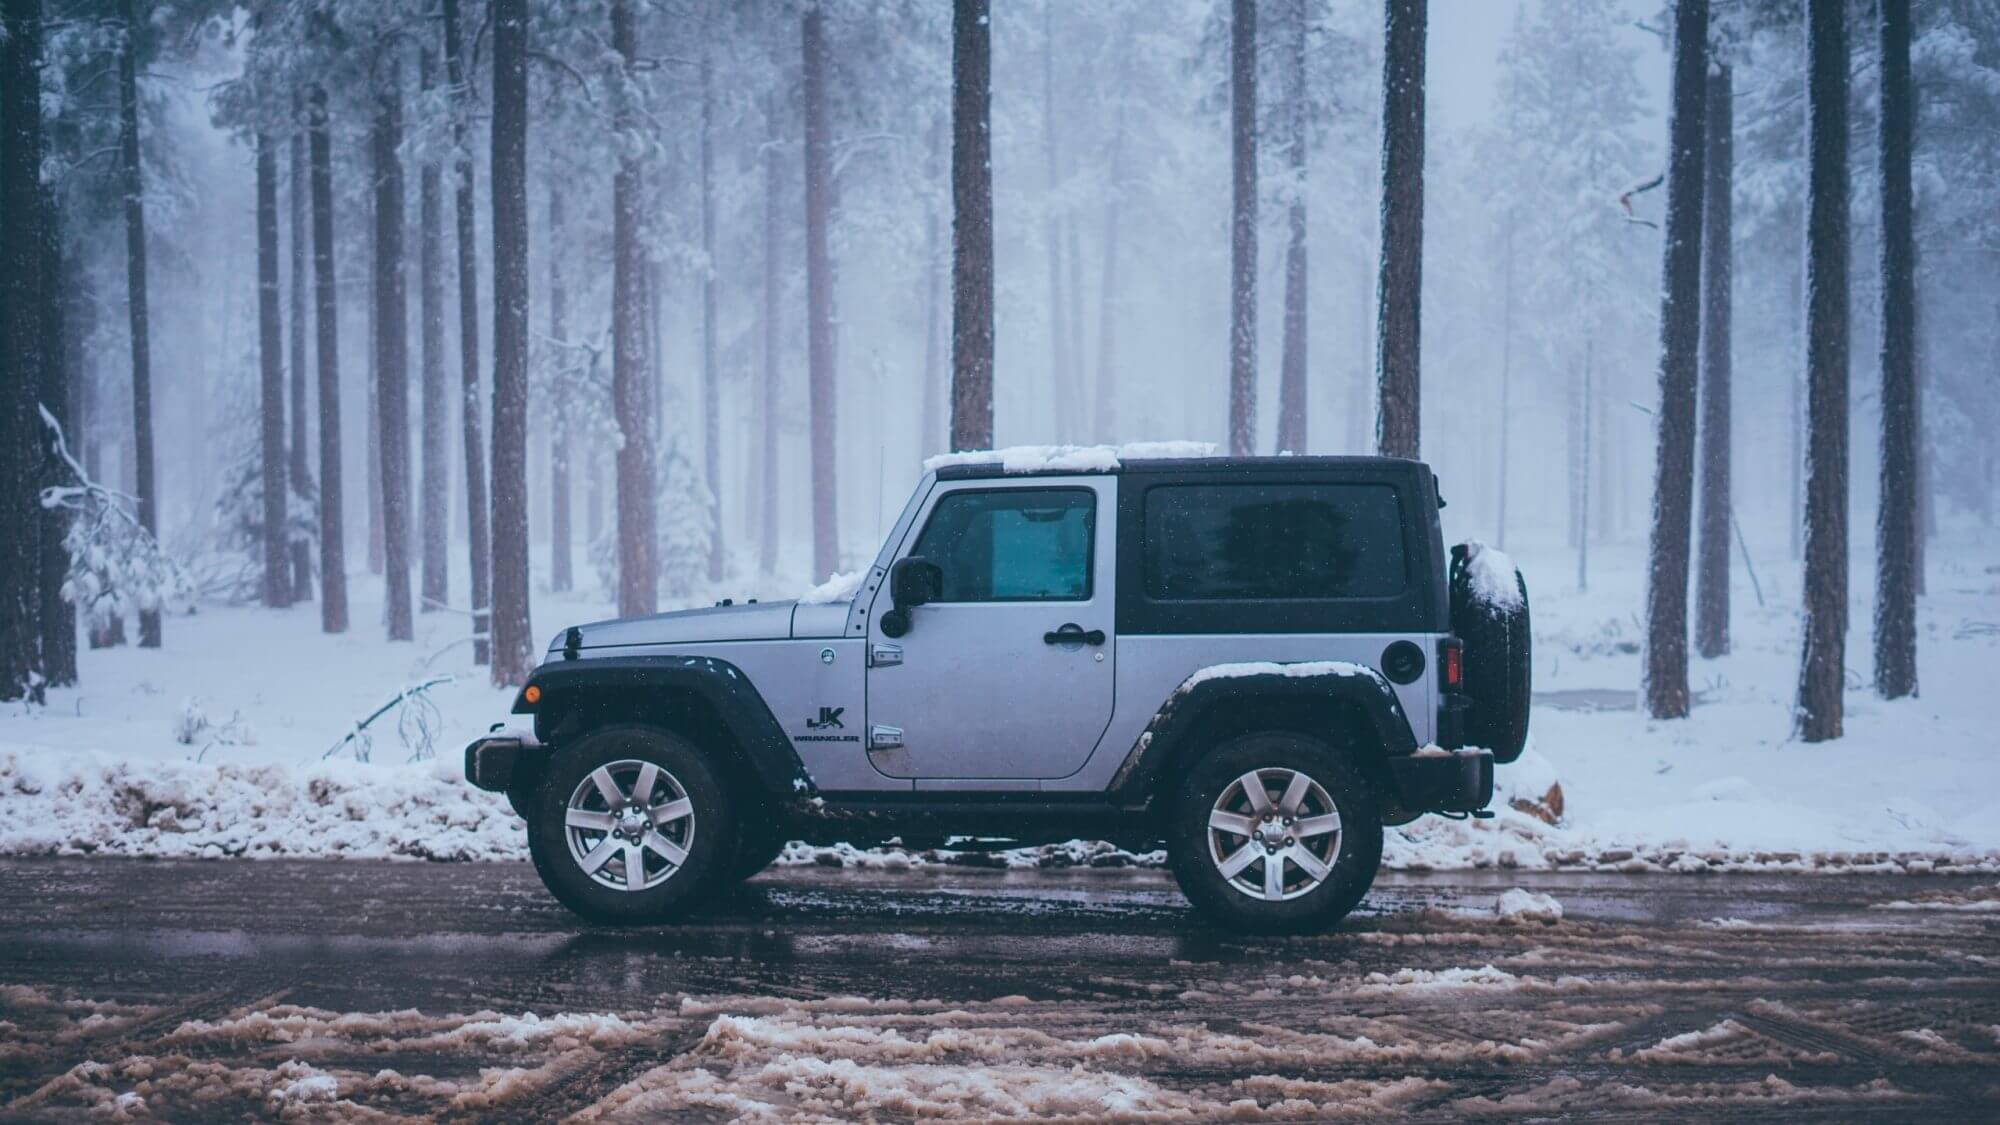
<point>1489,612</point>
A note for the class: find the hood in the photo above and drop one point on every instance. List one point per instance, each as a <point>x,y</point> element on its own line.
<point>754,621</point>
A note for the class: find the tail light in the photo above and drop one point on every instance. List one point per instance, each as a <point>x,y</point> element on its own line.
<point>1451,660</point>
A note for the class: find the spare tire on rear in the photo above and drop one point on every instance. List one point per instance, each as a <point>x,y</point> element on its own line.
<point>1489,612</point>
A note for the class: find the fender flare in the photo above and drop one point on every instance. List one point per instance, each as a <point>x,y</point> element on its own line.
<point>648,686</point>
<point>1356,689</point>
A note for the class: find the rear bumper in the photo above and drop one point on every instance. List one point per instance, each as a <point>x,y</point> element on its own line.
<point>490,761</point>
<point>1444,781</point>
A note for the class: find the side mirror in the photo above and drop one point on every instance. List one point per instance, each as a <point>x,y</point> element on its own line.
<point>913,581</point>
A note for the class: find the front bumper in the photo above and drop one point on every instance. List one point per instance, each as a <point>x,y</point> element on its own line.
<point>490,761</point>
<point>1433,780</point>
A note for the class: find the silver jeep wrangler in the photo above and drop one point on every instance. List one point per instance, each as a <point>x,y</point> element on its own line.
<point>1256,663</point>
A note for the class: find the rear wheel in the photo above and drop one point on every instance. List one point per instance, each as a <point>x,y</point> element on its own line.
<point>630,825</point>
<point>1275,833</point>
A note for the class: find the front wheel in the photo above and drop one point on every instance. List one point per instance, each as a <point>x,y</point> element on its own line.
<point>630,825</point>
<point>1275,833</point>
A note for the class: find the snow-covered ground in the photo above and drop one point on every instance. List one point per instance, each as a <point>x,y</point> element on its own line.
<point>212,746</point>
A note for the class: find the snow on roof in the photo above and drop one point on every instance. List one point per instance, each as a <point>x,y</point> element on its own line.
<point>1072,458</point>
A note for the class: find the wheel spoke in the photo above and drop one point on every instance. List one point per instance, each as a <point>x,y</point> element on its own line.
<point>668,850</point>
<point>599,855</point>
<point>1274,876</point>
<point>1309,863</point>
<point>1240,859</point>
<point>607,788</point>
<point>635,867</point>
<point>1294,793</point>
<point>1235,824</point>
<point>1253,790</point>
<point>666,814</point>
<point>589,820</point>
<point>642,789</point>
<point>1317,825</point>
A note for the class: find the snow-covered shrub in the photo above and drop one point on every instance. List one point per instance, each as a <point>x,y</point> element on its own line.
<point>116,567</point>
<point>686,527</point>
<point>232,567</point>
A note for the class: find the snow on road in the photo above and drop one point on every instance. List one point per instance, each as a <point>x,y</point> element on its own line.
<point>211,747</point>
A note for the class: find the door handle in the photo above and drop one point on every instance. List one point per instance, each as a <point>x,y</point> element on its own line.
<point>1072,633</point>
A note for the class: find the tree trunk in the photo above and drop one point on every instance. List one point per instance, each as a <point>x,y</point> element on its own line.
<point>134,188</point>
<point>56,617</point>
<point>21,360</point>
<point>299,471</point>
<point>819,295</point>
<point>711,376</point>
<point>971,227</point>
<point>392,346</point>
<point>1795,421</point>
<point>1399,278</point>
<point>478,536</point>
<point>1588,391</point>
<point>1292,364</point>
<point>1896,534</point>
<point>512,642</point>
<point>930,432</point>
<point>435,502</point>
<point>1061,359</point>
<point>1666,678</point>
<point>374,418</point>
<point>271,366</point>
<point>767,540</point>
<point>1243,228</point>
<point>1104,417</point>
<point>326,326</point>
<point>1506,374</point>
<point>1823,662</point>
<point>631,378</point>
<point>1711,621</point>
<point>561,576</point>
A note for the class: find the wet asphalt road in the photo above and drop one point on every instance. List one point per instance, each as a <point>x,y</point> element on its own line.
<point>343,989</point>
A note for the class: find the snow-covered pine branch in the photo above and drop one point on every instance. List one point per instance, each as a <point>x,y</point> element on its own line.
<point>116,567</point>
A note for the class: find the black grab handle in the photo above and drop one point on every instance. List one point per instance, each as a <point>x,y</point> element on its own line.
<point>1073,633</point>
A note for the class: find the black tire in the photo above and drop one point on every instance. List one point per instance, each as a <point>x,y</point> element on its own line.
<point>1499,664</point>
<point>1356,851</point>
<point>709,839</point>
<point>756,848</point>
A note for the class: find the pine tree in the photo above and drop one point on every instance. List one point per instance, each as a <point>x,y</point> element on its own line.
<point>772,378</point>
<point>560,557</point>
<point>434,504</point>
<point>512,640</point>
<point>298,468</point>
<point>1666,678</point>
<point>1399,283</point>
<point>1062,377</point>
<point>711,374</point>
<point>21,359</point>
<point>392,375</point>
<point>276,491</point>
<point>821,387</point>
<point>1292,362</point>
<point>134,189</point>
<point>971,227</point>
<point>1711,626</point>
<point>332,547</point>
<point>1822,666</point>
<point>477,509</point>
<point>1896,534</point>
<point>55,615</point>
<point>638,539</point>
<point>1243,228</point>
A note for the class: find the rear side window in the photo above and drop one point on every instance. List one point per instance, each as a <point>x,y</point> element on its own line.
<point>1243,542</point>
<point>1013,544</point>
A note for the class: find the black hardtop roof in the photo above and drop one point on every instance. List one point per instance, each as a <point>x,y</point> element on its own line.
<point>983,470</point>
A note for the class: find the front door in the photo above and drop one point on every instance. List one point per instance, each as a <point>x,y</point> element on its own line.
<point>1008,673</point>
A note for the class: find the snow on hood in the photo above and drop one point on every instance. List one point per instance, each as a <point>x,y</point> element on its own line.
<point>1072,458</point>
<point>838,588</point>
<point>750,621</point>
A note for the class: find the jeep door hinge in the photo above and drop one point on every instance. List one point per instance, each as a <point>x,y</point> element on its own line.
<point>882,737</point>
<point>882,656</point>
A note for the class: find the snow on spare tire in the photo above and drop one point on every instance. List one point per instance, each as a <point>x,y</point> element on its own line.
<point>1489,612</point>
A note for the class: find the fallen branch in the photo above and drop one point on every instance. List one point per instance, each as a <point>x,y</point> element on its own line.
<point>424,724</point>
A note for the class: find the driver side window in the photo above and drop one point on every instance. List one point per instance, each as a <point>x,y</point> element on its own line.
<point>1012,544</point>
